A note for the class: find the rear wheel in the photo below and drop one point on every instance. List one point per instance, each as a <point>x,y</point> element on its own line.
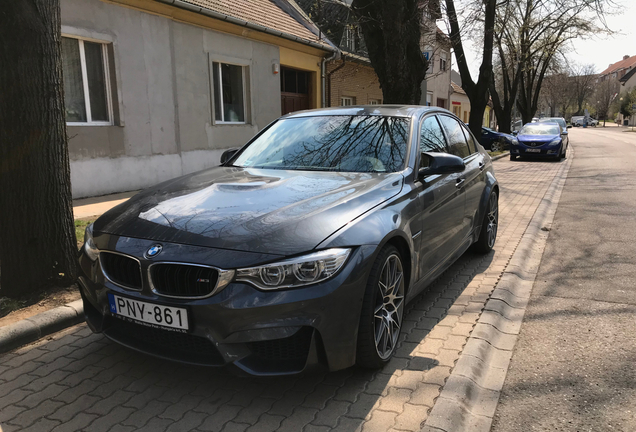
<point>495,146</point>
<point>382,310</point>
<point>488,234</point>
<point>513,157</point>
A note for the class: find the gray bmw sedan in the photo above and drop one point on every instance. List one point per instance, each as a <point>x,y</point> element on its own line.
<point>301,249</point>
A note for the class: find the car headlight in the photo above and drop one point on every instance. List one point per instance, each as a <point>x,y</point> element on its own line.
<point>555,142</point>
<point>514,141</point>
<point>89,245</point>
<point>295,272</point>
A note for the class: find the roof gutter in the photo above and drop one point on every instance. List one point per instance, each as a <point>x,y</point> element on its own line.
<point>204,11</point>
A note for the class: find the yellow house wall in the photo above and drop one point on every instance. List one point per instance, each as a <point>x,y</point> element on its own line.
<point>307,62</point>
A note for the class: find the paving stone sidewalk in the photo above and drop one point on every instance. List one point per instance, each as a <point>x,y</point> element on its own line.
<point>79,381</point>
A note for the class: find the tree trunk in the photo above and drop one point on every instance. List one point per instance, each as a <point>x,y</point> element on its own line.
<point>392,34</point>
<point>477,92</point>
<point>37,234</point>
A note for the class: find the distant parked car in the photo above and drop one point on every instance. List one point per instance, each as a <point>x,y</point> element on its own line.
<point>542,140</point>
<point>495,141</point>
<point>564,127</point>
<point>580,121</point>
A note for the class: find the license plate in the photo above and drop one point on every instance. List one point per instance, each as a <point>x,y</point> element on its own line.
<point>533,150</point>
<point>150,313</point>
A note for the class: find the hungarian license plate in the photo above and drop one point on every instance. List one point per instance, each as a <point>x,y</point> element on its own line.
<point>164,316</point>
<point>533,150</point>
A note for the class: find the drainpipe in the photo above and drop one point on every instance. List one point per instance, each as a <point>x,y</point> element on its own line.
<point>340,66</point>
<point>323,75</point>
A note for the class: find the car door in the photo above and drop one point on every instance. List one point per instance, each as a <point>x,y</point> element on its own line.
<point>467,181</point>
<point>441,201</point>
<point>475,184</point>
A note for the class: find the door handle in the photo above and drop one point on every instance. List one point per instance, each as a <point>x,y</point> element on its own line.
<point>460,182</point>
<point>481,166</point>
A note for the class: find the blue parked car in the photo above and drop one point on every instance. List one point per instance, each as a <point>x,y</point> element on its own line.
<point>541,140</point>
<point>495,141</point>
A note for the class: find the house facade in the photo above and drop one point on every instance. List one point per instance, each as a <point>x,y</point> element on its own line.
<point>154,90</point>
<point>460,104</point>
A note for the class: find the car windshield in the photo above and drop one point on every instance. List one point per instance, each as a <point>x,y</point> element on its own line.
<point>540,129</point>
<point>330,143</point>
<point>560,121</point>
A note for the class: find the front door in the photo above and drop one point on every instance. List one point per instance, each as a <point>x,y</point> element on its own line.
<point>442,203</point>
<point>294,90</point>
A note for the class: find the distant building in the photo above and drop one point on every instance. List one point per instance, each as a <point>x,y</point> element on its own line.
<point>460,104</point>
<point>619,69</point>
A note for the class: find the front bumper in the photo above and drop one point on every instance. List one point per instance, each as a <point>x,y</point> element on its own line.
<point>263,333</point>
<point>544,151</point>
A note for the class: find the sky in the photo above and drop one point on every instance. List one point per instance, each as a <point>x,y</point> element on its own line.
<point>600,51</point>
<point>603,51</point>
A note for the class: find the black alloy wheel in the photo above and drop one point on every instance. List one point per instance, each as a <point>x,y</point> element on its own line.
<point>490,224</point>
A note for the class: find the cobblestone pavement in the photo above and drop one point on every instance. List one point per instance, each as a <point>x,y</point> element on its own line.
<point>76,380</point>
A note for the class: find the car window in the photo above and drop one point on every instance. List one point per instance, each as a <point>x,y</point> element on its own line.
<point>431,138</point>
<point>540,129</point>
<point>456,139</point>
<point>330,143</point>
<point>469,140</point>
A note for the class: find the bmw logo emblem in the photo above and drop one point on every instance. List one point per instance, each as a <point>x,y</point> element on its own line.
<point>153,251</point>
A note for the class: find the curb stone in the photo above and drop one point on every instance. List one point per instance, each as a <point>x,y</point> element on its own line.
<point>33,328</point>
<point>503,155</point>
<point>469,398</point>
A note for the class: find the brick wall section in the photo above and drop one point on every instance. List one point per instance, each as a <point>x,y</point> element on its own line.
<point>352,80</point>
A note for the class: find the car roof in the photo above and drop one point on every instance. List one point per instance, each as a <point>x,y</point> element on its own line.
<point>369,110</point>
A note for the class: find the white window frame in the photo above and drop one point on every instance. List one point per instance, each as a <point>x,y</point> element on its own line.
<point>375,102</point>
<point>243,67</point>
<point>346,98</point>
<point>349,38</point>
<point>109,97</point>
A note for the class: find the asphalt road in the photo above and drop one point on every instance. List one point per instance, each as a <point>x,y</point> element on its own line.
<point>574,365</point>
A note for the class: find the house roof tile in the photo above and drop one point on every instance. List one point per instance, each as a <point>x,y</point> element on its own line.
<point>267,13</point>
<point>457,88</point>
<point>628,62</point>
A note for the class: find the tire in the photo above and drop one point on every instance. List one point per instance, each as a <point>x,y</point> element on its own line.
<point>382,310</point>
<point>513,157</point>
<point>489,225</point>
<point>563,153</point>
<point>495,146</point>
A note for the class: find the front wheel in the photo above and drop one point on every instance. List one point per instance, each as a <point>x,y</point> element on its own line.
<point>513,157</point>
<point>488,234</point>
<point>563,153</point>
<point>495,146</point>
<point>382,310</point>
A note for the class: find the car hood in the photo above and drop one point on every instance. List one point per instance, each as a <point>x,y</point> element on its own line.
<point>537,138</point>
<point>254,210</point>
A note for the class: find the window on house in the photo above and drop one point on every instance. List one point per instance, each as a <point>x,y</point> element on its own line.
<point>346,101</point>
<point>229,93</point>
<point>457,109</point>
<point>375,102</point>
<point>86,82</point>
<point>429,99</point>
<point>442,62</point>
<point>349,38</point>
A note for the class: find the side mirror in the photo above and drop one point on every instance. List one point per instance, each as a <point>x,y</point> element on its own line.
<point>441,163</point>
<point>515,133</point>
<point>227,155</point>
